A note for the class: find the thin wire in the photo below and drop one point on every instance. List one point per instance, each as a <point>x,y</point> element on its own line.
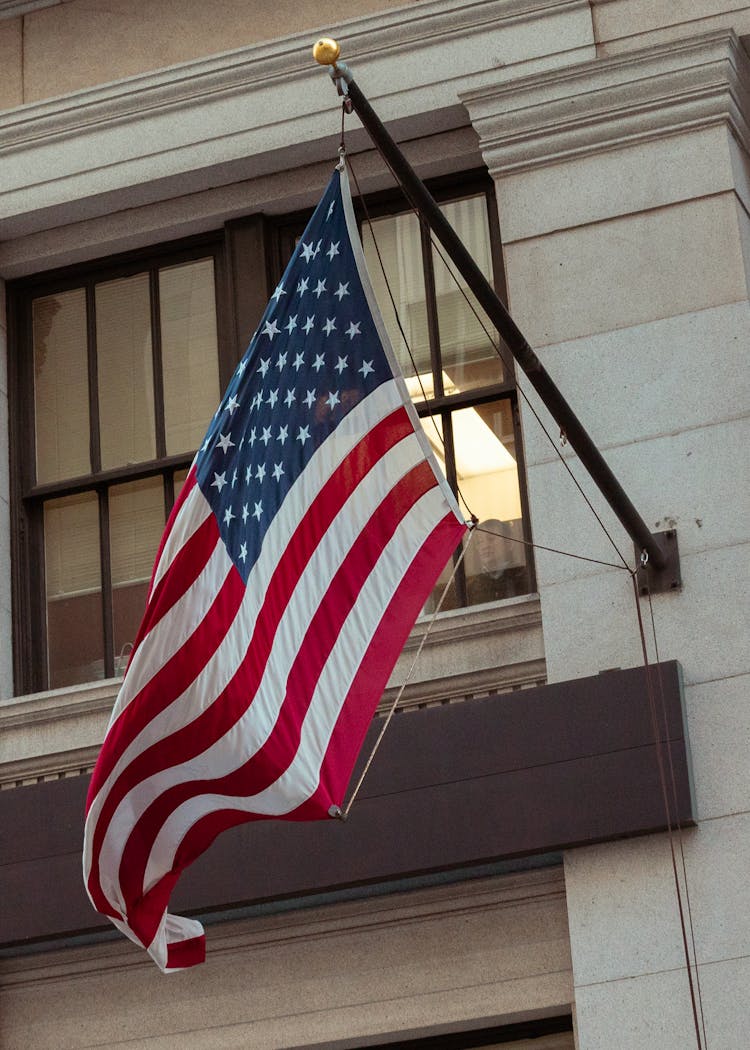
<point>673,780</point>
<point>425,225</point>
<point>665,797</point>
<point>552,550</point>
<point>394,705</point>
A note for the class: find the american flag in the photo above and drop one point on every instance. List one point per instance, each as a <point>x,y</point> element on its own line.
<point>312,526</point>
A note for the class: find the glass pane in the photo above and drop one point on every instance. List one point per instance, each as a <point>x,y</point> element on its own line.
<point>126,377</point>
<point>398,239</point>
<point>484,447</point>
<point>136,523</point>
<point>73,578</point>
<point>189,352</point>
<point>61,386</point>
<point>468,357</point>
<point>180,476</point>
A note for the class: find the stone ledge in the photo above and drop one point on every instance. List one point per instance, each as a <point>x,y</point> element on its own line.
<point>469,652</point>
<point>610,102</point>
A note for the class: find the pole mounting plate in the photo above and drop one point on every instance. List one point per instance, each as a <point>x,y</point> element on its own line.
<point>669,578</point>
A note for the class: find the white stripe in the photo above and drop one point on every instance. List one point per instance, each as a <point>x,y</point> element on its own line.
<point>300,780</point>
<point>252,730</point>
<point>190,517</point>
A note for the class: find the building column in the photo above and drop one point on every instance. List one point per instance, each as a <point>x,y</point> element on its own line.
<point>623,187</point>
<point>6,651</point>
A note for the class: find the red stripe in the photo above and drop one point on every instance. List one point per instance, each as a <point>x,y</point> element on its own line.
<point>270,761</point>
<point>356,713</point>
<point>161,691</point>
<point>189,484</point>
<point>182,954</point>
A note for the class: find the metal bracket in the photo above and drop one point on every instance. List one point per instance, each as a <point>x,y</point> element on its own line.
<point>669,578</point>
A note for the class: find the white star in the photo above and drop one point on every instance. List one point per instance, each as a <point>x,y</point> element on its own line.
<point>291,324</point>
<point>310,398</point>
<point>353,329</point>
<point>318,362</point>
<point>265,437</point>
<point>302,286</point>
<point>228,515</point>
<point>320,288</point>
<point>333,399</point>
<point>342,290</point>
<point>251,440</point>
<point>298,362</point>
<point>225,440</point>
<point>308,251</point>
<point>290,397</point>
<point>258,510</point>
<point>273,397</point>
<point>258,399</point>
<point>260,473</point>
<point>241,366</point>
<point>278,293</point>
<point>331,206</point>
<point>204,446</point>
<point>281,361</point>
<point>234,479</point>
<point>265,364</point>
<point>329,326</point>
<point>309,325</point>
<point>278,470</point>
<point>270,328</point>
<point>219,481</point>
<point>303,434</point>
<point>283,434</point>
<point>248,475</point>
<point>245,509</point>
<point>333,250</point>
<point>242,442</point>
<point>317,249</point>
<point>232,404</point>
<point>366,368</point>
<point>243,548</point>
<point>341,364</point>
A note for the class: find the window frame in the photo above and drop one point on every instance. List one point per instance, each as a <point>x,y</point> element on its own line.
<point>27,498</point>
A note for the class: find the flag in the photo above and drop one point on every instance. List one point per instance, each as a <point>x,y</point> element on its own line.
<point>312,526</point>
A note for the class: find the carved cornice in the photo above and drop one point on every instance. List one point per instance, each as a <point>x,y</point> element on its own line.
<point>392,33</point>
<point>611,102</point>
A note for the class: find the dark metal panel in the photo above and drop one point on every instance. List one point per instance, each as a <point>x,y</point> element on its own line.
<point>523,773</point>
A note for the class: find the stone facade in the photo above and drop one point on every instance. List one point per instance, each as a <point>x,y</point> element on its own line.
<point>617,134</point>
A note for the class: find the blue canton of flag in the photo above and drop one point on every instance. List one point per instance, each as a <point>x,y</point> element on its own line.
<point>315,355</point>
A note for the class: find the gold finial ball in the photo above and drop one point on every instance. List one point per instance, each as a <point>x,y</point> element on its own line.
<point>326,51</point>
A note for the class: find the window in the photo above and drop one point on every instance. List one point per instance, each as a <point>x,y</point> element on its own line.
<point>123,366</point>
<point>118,366</point>
<point>464,393</point>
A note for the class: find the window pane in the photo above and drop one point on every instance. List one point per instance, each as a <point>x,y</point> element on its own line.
<point>189,352</point>
<point>468,357</point>
<point>126,377</point>
<point>484,448</point>
<point>136,523</point>
<point>61,386</point>
<point>180,477</point>
<point>398,239</point>
<point>74,606</point>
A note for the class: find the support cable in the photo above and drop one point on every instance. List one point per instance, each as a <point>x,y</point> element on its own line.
<point>695,996</point>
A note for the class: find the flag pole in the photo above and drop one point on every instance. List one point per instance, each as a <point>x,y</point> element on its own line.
<point>657,551</point>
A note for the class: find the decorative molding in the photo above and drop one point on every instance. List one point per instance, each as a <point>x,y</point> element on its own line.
<point>471,652</point>
<point>262,108</point>
<point>540,887</point>
<point>611,102</point>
